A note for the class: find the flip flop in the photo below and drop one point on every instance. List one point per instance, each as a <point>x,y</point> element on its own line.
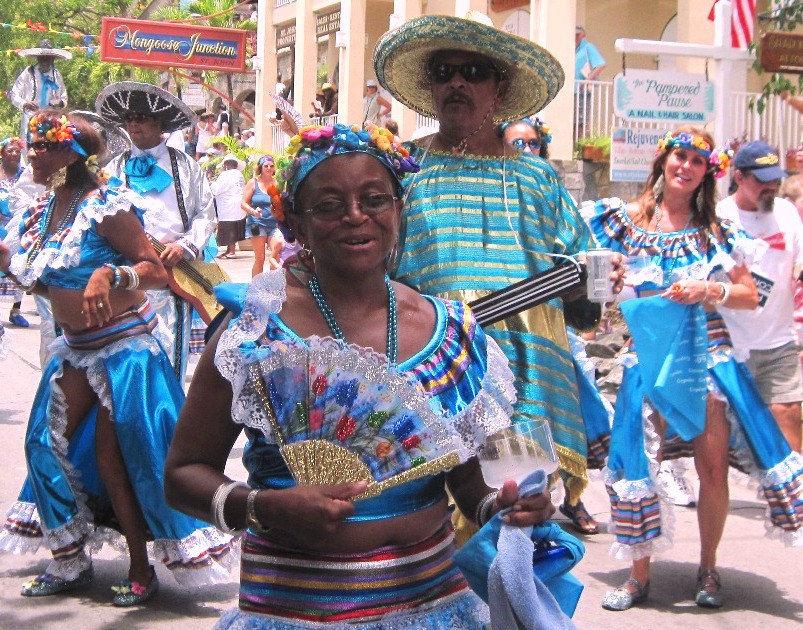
<point>582,521</point>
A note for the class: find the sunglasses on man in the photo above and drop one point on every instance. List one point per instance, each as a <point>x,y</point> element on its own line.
<point>472,71</point>
<point>42,146</point>
<point>137,117</point>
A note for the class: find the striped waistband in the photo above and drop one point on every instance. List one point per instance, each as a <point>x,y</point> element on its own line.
<point>350,588</point>
<point>137,320</point>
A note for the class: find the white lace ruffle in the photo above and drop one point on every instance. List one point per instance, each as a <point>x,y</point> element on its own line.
<point>237,351</point>
<point>68,254</point>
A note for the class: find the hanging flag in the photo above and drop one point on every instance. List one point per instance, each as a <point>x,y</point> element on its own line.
<point>742,21</point>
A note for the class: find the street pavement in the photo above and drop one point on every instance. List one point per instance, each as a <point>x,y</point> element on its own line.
<point>763,580</point>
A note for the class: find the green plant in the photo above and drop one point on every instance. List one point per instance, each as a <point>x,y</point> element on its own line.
<point>603,143</point>
<point>782,16</point>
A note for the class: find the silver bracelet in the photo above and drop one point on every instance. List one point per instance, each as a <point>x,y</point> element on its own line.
<point>133,277</point>
<point>483,512</point>
<point>219,504</point>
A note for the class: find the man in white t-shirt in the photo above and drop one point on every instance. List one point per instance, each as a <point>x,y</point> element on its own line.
<point>768,332</point>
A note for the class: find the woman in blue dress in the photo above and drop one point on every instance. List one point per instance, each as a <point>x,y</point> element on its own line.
<point>681,378</point>
<point>108,400</point>
<point>325,349</point>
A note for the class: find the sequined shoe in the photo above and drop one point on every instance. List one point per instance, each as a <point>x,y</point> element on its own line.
<point>128,593</point>
<point>18,320</point>
<point>622,598</point>
<point>46,584</point>
<point>709,589</point>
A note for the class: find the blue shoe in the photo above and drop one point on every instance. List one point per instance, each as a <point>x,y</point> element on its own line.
<point>128,593</point>
<point>18,320</point>
<point>709,589</point>
<point>46,584</point>
<point>623,598</point>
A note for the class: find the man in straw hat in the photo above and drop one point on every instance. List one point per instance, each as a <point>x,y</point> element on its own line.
<point>480,215</point>
<point>180,210</point>
<point>40,85</point>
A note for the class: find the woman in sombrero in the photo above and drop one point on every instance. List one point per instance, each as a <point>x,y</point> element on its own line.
<point>104,413</point>
<point>331,351</point>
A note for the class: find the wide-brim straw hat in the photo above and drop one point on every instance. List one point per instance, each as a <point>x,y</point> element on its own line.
<point>401,57</point>
<point>114,135</point>
<point>115,100</point>
<point>45,49</point>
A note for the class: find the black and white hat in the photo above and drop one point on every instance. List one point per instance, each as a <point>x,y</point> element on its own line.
<point>118,99</point>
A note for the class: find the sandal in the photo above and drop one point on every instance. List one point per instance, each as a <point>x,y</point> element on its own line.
<point>623,598</point>
<point>578,514</point>
<point>709,589</point>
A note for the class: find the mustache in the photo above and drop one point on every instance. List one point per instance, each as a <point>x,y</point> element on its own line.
<point>457,97</point>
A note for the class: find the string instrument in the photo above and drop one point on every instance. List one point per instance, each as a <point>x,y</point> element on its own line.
<point>195,281</point>
<point>540,288</point>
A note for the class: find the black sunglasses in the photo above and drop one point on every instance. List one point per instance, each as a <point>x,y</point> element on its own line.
<point>520,143</point>
<point>137,117</point>
<point>42,146</point>
<point>472,71</point>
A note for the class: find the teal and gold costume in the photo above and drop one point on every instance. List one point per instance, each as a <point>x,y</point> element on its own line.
<point>460,374</point>
<point>472,225</point>
<point>64,501</point>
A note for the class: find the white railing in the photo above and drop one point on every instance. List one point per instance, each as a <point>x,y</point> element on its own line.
<point>278,139</point>
<point>779,125</point>
<point>281,3</point>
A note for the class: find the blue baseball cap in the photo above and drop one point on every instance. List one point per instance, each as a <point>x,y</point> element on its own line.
<point>761,160</point>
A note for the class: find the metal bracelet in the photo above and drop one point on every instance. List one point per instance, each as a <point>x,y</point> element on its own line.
<point>219,504</point>
<point>483,512</point>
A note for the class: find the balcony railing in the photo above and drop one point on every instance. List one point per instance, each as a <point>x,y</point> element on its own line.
<point>779,124</point>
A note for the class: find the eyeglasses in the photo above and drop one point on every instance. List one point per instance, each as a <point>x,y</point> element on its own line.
<point>473,71</point>
<point>520,143</point>
<point>266,160</point>
<point>137,117</point>
<point>42,146</point>
<point>371,204</point>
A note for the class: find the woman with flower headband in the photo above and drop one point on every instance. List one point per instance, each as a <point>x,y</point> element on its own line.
<point>387,559</point>
<point>108,400</point>
<point>529,135</point>
<point>261,224</point>
<point>681,379</point>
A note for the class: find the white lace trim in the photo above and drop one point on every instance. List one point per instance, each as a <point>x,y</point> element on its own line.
<point>68,254</point>
<point>464,432</point>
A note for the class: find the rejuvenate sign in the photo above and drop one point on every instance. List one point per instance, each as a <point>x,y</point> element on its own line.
<point>148,43</point>
<point>671,97</point>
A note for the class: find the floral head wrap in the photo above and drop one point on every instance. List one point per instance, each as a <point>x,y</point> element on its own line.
<point>12,140</point>
<point>58,130</point>
<point>718,158</point>
<point>314,144</point>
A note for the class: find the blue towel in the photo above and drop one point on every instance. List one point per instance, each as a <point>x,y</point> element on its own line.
<point>499,565</point>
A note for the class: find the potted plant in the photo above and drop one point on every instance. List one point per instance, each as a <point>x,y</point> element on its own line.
<point>594,148</point>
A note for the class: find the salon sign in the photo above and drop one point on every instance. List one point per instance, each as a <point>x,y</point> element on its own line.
<point>166,44</point>
<point>658,96</point>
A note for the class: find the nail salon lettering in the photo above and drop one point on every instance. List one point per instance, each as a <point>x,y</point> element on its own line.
<point>670,97</point>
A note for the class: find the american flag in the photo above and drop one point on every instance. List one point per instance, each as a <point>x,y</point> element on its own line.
<point>742,21</point>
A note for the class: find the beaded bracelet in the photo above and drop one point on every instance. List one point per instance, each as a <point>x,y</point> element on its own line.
<point>483,512</point>
<point>219,504</point>
<point>118,276</point>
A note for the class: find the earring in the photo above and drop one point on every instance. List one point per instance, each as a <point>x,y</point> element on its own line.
<point>390,259</point>
<point>700,201</point>
<point>306,252</point>
<point>658,187</point>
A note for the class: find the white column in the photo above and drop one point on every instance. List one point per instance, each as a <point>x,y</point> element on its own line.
<point>352,51</point>
<point>306,58</point>
<point>552,26</point>
<point>404,11</point>
<point>265,67</point>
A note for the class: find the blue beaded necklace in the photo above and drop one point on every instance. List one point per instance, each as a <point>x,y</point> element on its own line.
<point>393,326</point>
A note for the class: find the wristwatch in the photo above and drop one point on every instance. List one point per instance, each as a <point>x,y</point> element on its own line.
<point>251,520</point>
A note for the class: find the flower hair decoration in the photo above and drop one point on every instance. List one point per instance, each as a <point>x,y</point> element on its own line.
<point>12,140</point>
<point>541,128</point>
<point>58,130</point>
<point>718,158</point>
